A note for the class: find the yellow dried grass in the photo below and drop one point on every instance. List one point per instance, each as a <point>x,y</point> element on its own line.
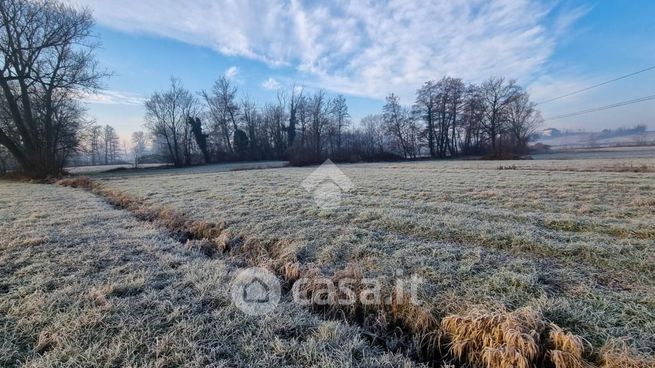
<point>565,359</point>
<point>616,354</point>
<point>565,341</point>
<point>511,339</point>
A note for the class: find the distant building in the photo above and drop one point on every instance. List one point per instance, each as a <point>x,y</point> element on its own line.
<point>551,133</point>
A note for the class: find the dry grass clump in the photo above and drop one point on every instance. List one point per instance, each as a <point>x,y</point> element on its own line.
<point>565,341</point>
<point>521,338</point>
<point>565,349</point>
<point>291,271</point>
<point>77,182</point>
<point>617,354</point>
<point>498,339</point>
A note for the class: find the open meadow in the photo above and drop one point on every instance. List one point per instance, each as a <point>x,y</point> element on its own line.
<point>558,243</point>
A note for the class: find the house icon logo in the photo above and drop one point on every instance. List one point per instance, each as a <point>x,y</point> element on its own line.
<point>327,184</point>
<point>255,291</point>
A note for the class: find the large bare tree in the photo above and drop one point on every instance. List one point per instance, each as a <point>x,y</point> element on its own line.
<point>46,63</point>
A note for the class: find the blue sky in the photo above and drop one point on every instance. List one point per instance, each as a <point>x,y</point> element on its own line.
<point>366,50</point>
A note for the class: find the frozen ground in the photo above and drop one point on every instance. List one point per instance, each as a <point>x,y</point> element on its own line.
<point>573,239</point>
<point>85,285</point>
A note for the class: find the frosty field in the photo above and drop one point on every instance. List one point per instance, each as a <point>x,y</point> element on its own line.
<point>577,245</point>
<point>85,285</point>
<point>570,239</point>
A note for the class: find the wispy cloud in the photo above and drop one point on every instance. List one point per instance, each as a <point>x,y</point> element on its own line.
<point>271,84</point>
<point>109,97</point>
<point>367,48</point>
<point>231,72</point>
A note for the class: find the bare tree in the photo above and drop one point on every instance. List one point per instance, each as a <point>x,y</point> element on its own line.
<point>449,100</point>
<point>110,142</point>
<point>274,118</point>
<point>426,108</point>
<point>340,116</point>
<point>47,62</point>
<point>454,91</point>
<point>139,143</point>
<point>223,110</point>
<point>90,143</point>
<point>166,117</point>
<point>94,143</point>
<point>373,135</point>
<point>251,118</point>
<point>497,95</point>
<point>412,133</point>
<point>395,118</point>
<point>294,103</point>
<point>318,107</point>
<point>523,120</point>
<point>471,122</point>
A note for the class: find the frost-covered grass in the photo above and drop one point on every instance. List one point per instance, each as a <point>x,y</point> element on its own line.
<point>573,239</point>
<point>84,284</point>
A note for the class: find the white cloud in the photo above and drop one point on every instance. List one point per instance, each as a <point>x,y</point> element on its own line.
<point>109,97</point>
<point>231,72</point>
<point>271,84</point>
<point>367,48</point>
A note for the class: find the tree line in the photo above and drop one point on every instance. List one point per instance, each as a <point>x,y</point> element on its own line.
<point>101,145</point>
<point>447,119</point>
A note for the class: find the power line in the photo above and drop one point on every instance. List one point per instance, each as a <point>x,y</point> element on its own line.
<point>619,104</point>
<point>597,85</point>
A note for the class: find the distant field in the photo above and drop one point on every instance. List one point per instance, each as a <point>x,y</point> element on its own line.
<point>572,239</point>
<point>577,245</point>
